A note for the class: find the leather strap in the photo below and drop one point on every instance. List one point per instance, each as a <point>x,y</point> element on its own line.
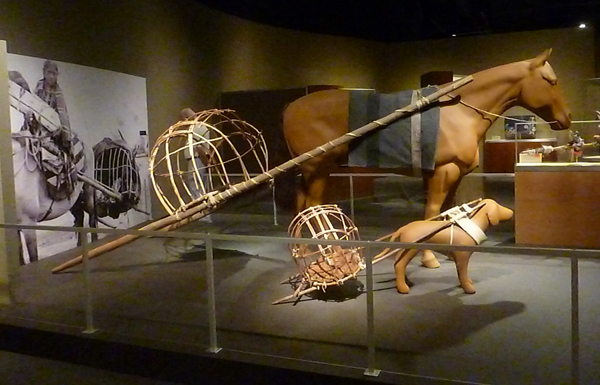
<point>460,216</point>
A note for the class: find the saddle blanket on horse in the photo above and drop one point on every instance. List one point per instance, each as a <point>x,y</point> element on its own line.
<point>407,143</point>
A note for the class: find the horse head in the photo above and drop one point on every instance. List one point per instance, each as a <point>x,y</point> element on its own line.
<point>541,94</point>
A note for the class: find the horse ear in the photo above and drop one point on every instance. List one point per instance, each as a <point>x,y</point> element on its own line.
<point>541,59</point>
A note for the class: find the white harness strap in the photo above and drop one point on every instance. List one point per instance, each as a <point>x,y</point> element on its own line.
<point>459,215</point>
<point>472,229</point>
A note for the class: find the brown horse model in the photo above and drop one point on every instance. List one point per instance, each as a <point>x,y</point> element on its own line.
<point>465,117</point>
<point>488,213</point>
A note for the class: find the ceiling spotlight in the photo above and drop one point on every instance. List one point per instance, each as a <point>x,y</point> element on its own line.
<point>582,25</point>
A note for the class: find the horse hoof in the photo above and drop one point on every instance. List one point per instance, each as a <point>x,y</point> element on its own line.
<point>431,264</point>
<point>429,260</point>
<point>469,290</point>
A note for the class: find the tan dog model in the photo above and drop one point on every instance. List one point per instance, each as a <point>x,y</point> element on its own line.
<point>488,213</point>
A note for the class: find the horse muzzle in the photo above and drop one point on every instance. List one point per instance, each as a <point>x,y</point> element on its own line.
<point>562,122</point>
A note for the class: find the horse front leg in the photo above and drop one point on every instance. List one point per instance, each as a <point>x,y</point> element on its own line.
<point>440,186</point>
<point>21,248</point>
<point>93,223</point>
<point>78,216</point>
<point>30,237</point>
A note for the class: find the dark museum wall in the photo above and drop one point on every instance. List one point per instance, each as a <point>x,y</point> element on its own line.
<point>572,59</point>
<point>190,54</point>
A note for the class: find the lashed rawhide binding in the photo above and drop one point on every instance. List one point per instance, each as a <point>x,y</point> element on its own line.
<point>234,149</point>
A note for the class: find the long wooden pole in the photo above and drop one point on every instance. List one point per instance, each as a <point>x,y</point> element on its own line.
<point>205,204</point>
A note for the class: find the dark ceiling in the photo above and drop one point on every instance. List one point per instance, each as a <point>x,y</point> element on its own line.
<point>397,20</point>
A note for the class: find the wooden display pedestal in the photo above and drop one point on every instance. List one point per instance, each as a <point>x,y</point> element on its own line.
<point>556,204</point>
<point>501,155</point>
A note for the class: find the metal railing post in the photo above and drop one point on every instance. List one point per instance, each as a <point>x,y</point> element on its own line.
<point>212,306</point>
<point>370,371</point>
<point>575,377</point>
<point>274,203</point>
<point>89,309</point>
<point>352,197</point>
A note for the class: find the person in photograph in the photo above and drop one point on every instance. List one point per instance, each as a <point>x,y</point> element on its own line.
<point>48,89</point>
<point>60,181</point>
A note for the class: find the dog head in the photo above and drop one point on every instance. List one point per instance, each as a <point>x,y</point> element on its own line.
<point>496,213</point>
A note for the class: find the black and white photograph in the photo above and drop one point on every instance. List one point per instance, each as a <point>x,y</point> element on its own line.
<point>80,150</point>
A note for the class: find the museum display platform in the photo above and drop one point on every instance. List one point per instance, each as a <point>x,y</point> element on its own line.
<point>557,204</point>
<point>151,298</point>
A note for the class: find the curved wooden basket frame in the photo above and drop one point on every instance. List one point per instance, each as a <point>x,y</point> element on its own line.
<point>227,135</point>
<point>325,265</point>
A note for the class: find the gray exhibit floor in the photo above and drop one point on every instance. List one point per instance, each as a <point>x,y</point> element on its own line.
<point>517,328</point>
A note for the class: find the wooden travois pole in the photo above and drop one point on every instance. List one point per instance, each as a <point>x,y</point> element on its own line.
<point>204,205</point>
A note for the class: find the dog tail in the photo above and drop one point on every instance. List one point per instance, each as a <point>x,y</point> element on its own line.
<point>387,251</point>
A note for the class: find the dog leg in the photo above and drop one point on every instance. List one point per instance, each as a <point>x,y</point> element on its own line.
<point>462,266</point>
<point>402,260</point>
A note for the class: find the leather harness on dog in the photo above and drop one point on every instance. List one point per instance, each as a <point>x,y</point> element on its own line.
<point>459,215</point>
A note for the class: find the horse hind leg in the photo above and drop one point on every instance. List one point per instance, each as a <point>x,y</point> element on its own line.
<point>311,191</point>
<point>301,195</point>
<point>85,203</point>
<point>316,191</point>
